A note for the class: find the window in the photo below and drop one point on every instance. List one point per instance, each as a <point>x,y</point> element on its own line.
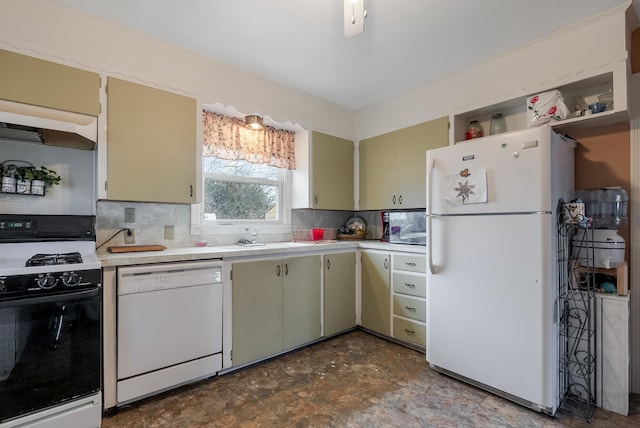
<point>238,191</point>
<point>246,174</point>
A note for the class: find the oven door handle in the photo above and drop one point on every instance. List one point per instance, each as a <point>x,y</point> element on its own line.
<point>83,294</point>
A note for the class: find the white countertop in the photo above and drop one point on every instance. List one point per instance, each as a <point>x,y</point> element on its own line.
<point>108,259</point>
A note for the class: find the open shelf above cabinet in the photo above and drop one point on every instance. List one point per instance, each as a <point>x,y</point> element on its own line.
<point>613,78</point>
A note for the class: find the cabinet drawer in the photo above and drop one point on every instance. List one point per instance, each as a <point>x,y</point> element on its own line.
<point>411,331</point>
<point>410,307</point>
<point>412,284</point>
<point>411,263</point>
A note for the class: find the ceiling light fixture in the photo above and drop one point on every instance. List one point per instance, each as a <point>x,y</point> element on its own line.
<point>254,121</point>
<point>355,13</point>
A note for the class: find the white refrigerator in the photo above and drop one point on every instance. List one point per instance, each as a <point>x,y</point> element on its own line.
<point>492,315</point>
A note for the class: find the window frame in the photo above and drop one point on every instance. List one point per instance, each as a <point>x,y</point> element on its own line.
<point>210,225</point>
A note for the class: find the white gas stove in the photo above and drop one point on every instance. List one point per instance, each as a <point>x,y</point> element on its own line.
<point>50,321</point>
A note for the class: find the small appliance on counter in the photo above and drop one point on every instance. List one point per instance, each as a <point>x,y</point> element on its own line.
<point>608,247</point>
<point>408,227</point>
<point>385,226</point>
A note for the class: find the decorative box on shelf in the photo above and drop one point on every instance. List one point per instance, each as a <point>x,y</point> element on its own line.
<point>588,87</point>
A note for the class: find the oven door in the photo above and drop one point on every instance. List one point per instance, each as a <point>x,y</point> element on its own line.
<point>50,350</point>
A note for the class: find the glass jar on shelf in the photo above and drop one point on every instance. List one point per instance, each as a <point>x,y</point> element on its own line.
<point>606,100</point>
<point>498,124</point>
<point>474,130</point>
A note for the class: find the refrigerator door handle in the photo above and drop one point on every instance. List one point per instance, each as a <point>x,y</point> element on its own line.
<point>429,217</point>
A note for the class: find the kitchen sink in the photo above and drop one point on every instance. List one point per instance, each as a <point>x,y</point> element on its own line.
<point>270,245</point>
<point>277,244</point>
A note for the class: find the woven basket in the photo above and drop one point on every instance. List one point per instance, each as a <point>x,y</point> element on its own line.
<point>358,236</point>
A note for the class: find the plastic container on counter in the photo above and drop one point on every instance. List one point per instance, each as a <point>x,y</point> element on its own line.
<point>607,206</point>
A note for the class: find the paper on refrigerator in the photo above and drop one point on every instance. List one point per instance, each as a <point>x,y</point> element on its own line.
<point>466,187</point>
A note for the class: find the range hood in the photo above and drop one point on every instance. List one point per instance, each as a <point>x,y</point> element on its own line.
<point>41,125</point>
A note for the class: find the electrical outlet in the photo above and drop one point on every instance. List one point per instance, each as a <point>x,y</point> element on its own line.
<point>129,236</point>
<point>129,215</point>
<point>168,232</point>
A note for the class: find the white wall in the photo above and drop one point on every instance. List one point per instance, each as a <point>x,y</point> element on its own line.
<point>74,195</point>
<point>535,66</point>
<point>57,33</point>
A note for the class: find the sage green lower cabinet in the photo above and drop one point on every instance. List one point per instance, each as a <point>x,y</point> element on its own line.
<point>301,300</point>
<point>275,306</point>
<point>257,310</point>
<point>376,291</point>
<point>339,292</point>
<point>409,291</point>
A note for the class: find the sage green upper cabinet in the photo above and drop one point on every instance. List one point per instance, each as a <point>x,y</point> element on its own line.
<point>393,165</point>
<point>151,144</point>
<point>34,81</point>
<point>323,178</point>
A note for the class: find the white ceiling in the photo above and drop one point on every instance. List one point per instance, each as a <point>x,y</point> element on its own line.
<point>301,43</point>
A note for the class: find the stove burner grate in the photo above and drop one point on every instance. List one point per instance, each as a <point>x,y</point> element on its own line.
<point>54,259</point>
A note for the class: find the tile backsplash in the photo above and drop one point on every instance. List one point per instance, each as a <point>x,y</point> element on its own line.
<point>152,218</point>
<point>149,224</point>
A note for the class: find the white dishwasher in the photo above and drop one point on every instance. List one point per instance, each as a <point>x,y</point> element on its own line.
<point>169,328</point>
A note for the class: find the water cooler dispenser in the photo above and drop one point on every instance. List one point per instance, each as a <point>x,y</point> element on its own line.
<point>607,208</point>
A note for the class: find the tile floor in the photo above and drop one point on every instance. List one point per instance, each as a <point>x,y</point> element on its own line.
<point>354,380</point>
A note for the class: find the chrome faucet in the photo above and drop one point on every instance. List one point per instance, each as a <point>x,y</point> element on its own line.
<point>254,234</point>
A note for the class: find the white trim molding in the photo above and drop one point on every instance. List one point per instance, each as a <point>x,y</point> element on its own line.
<point>634,219</point>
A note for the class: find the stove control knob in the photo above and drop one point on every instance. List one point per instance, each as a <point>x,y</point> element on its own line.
<point>3,283</point>
<point>71,279</point>
<point>46,281</point>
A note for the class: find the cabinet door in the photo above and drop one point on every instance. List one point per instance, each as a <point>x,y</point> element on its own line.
<point>256,310</point>
<point>151,147</point>
<point>301,300</point>
<point>412,153</point>
<point>410,331</point>
<point>377,168</point>
<point>393,165</point>
<point>376,294</point>
<point>331,172</point>
<point>612,355</point>
<point>339,292</point>
<point>29,80</point>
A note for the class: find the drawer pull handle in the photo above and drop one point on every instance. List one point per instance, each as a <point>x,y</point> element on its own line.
<point>408,284</point>
<point>409,263</point>
<point>409,308</point>
<point>409,331</point>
